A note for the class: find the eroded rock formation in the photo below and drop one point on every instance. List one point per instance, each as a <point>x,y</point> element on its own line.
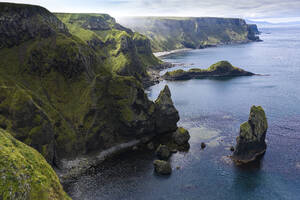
<point>251,140</point>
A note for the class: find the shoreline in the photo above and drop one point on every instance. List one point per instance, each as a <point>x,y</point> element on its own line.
<point>165,53</point>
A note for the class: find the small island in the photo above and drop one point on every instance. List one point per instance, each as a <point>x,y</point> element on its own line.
<point>219,69</point>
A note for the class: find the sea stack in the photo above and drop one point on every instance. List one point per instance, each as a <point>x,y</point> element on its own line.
<point>166,114</point>
<point>251,140</point>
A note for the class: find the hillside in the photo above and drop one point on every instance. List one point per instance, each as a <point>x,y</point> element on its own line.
<point>169,33</point>
<point>121,50</point>
<point>59,96</point>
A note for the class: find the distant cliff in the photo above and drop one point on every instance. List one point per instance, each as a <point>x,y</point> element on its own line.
<point>169,33</point>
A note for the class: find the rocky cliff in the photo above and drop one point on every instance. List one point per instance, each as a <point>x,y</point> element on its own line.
<point>58,91</point>
<point>169,33</point>
<point>121,50</point>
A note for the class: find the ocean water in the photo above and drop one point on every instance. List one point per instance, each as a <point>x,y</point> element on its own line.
<point>212,110</point>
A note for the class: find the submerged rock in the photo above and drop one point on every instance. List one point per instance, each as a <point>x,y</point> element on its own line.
<point>166,114</point>
<point>219,69</point>
<point>163,152</point>
<point>181,136</point>
<point>162,167</point>
<point>251,140</point>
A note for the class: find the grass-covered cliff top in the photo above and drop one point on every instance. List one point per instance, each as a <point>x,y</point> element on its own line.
<point>25,174</point>
<point>222,68</point>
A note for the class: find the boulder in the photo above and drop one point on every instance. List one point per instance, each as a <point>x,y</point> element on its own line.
<point>166,114</point>
<point>163,152</point>
<point>251,140</point>
<point>162,167</point>
<point>181,136</point>
<point>203,145</point>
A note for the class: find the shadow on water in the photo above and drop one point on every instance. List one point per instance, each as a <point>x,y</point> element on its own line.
<point>248,178</point>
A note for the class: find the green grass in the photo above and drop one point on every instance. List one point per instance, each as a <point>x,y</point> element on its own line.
<point>25,174</point>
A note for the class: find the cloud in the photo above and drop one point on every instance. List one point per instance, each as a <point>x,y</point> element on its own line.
<point>255,9</point>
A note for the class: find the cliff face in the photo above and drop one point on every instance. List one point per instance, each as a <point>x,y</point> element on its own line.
<point>25,174</point>
<point>59,95</point>
<point>121,50</point>
<point>167,33</point>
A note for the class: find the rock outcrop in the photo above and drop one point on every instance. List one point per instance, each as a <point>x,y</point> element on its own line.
<point>169,33</point>
<point>162,167</point>
<point>163,152</point>
<point>60,96</point>
<point>167,115</point>
<point>25,174</point>
<point>251,140</point>
<point>219,69</point>
<point>181,136</point>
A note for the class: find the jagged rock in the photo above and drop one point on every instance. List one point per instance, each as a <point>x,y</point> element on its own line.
<point>251,140</point>
<point>162,167</point>
<point>166,114</point>
<point>163,152</point>
<point>181,136</point>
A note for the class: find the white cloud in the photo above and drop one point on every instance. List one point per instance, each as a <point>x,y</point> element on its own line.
<point>255,9</point>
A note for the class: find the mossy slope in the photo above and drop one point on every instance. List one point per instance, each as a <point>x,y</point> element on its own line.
<point>169,33</point>
<point>25,174</point>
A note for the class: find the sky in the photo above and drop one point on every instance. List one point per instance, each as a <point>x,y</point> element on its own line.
<point>260,10</point>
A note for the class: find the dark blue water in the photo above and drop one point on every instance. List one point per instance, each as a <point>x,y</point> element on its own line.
<point>212,110</point>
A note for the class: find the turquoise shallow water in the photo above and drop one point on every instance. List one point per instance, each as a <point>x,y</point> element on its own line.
<point>212,110</point>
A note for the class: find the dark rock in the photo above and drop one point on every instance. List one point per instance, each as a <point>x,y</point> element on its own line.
<point>251,140</point>
<point>166,114</point>
<point>203,145</point>
<point>219,69</point>
<point>181,136</point>
<point>150,146</point>
<point>163,152</point>
<point>162,167</point>
<point>232,148</point>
